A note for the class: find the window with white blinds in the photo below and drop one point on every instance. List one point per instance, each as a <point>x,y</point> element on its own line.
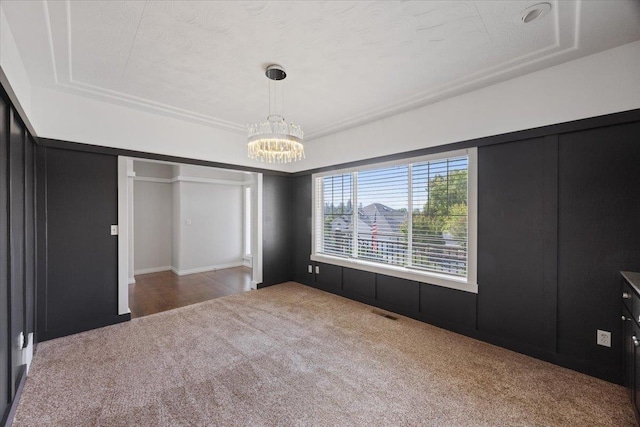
<point>439,215</point>
<point>383,203</point>
<point>336,213</point>
<point>412,217</point>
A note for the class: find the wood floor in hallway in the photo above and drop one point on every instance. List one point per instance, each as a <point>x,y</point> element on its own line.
<point>165,290</point>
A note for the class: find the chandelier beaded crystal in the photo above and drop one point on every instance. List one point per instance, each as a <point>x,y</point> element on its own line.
<point>275,140</point>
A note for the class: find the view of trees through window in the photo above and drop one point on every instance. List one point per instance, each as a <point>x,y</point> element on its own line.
<point>439,216</point>
<point>433,237</point>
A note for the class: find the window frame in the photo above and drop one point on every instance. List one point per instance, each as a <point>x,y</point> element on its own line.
<point>468,284</point>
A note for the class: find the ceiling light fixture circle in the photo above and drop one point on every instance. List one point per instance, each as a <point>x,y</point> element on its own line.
<point>275,140</point>
<point>275,72</point>
<point>534,13</point>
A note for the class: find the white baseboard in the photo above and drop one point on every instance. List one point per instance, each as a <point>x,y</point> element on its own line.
<point>132,280</point>
<point>207,268</point>
<point>152,270</point>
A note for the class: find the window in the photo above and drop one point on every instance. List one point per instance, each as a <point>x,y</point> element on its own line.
<point>413,219</point>
<point>337,214</point>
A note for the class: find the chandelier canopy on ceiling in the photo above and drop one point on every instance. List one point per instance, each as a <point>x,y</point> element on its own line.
<point>275,140</point>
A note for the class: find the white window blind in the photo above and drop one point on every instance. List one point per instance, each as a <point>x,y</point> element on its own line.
<point>439,216</point>
<point>383,203</point>
<point>413,216</point>
<point>335,214</point>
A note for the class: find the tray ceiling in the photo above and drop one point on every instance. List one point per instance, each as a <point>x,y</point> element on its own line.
<point>348,62</point>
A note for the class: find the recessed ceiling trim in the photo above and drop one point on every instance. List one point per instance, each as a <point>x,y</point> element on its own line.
<point>63,76</point>
<point>61,51</point>
<point>567,40</point>
<point>47,23</point>
<point>100,94</point>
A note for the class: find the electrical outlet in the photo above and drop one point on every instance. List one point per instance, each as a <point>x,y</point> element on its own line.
<point>604,338</point>
<point>310,269</point>
<point>114,230</point>
<point>21,340</point>
<point>317,269</point>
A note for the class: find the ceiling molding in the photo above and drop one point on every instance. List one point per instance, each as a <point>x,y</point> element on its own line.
<point>60,43</point>
<point>63,77</point>
<point>567,41</point>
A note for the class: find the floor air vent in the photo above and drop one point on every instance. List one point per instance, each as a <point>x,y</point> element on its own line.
<point>383,314</point>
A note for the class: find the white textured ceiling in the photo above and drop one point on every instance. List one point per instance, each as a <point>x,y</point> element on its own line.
<point>348,62</point>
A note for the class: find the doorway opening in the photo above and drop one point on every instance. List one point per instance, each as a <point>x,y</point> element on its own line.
<point>190,234</point>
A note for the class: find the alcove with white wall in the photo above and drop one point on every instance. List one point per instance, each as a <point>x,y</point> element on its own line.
<point>207,219</point>
<point>187,219</point>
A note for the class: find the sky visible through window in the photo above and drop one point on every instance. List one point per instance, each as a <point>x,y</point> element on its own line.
<point>432,236</point>
<point>386,185</point>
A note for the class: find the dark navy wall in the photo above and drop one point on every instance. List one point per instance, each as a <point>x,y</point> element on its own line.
<point>276,229</point>
<point>17,255</point>
<point>558,218</point>
<point>599,235</point>
<point>517,229</point>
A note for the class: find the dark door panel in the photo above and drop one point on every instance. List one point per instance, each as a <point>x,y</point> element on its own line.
<point>81,284</point>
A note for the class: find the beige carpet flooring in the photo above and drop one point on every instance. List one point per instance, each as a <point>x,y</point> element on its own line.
<point>290,355</point>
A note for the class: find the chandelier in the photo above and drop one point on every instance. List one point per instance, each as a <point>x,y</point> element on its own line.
<point>275,140</point>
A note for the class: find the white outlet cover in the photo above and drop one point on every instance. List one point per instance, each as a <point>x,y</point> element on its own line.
<point>603,338</point>
<point>114,230</point>
<point>310,269</point>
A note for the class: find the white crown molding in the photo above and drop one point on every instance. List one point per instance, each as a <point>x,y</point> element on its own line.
<point>567,41</point>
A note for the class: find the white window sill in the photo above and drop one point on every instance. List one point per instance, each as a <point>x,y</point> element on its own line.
<point>401,272</point>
